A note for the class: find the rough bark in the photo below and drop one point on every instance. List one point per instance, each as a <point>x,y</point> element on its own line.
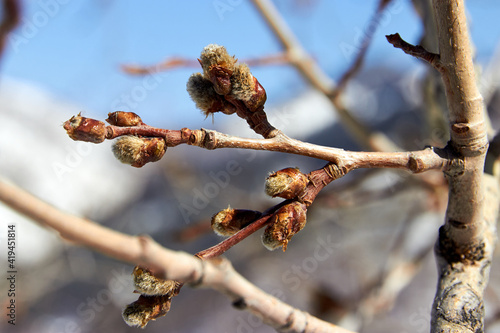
<point>466,240</point>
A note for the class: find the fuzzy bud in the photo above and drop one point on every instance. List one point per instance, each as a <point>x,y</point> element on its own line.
<point>218,67</point>
<point>148,284</point>
<point>146,308</point>
<point>123,119</point>
<point>286,222</point>
<point>85,129</point>
<point>229,221</point>
<point>287,183</point>
<point>203,94</point>
<point>247,88</point>
<point>138,151</point>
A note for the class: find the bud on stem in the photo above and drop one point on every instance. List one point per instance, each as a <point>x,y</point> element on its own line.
<point>124,119</point>
<point>148,284</point>
<point>286,222</point>
<point>85,129</point>
<point>288,183</point>
<point>229,221</point>
<point>138,151</point>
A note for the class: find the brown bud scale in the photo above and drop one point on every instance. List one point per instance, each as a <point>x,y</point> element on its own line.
<point>80,128</point>
<point>124,119</point>
<point>229,221</point>
<point>286,222</point>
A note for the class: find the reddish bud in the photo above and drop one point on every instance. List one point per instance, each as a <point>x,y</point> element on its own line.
<point>287,183</point>
<point>85,129</point>
<point>286,222</point>
<point>138,151</point>
<point>229,221</point>
<point>123,119</point>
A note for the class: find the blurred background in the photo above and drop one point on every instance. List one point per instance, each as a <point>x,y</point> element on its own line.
<point>364,260</point>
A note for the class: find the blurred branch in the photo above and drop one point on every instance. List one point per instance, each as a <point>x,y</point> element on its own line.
<point>11,17</point>
<point>178,62</point>
<point>172,265</point>
<point>360,57</point>
<point>308,68</point>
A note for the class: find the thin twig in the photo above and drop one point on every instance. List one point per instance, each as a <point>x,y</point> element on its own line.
<point>416,51</point>
<point>360,57</point>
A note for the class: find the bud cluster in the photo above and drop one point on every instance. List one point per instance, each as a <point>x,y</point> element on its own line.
<point>228,86</point>
<point>155,300</point>
<point>135,150</point>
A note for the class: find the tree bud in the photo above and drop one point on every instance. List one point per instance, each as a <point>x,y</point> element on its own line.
<point>287,183</point>
<point>137,151</point>
<point>229,221</point>
<point>247,88</point>
<point>218,67</point>
<point>146,308</point>
<point>206,99</point>
<point>286,222</point>
<point>123,119</point>
<point>85,129</point>
<point>148,284</point>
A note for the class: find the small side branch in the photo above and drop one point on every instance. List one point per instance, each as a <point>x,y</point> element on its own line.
<point>416,51</point>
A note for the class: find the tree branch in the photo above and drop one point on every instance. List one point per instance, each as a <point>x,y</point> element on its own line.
<point>467,239</point>
<point>172,265</point>
<point>313,74</point>
<point>415,161</point>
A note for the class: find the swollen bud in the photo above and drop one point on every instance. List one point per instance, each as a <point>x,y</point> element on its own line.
<point>124,119</point>
<point>229,221</point>
<point>148,284</point>
<point>247,88</point>
<point>85,129</point>
<point>146,308</point>
<point>218,67</point>
<point>206,99</point>
<point>286,222</point>
<point>138,151</point>
<point>287,183</point>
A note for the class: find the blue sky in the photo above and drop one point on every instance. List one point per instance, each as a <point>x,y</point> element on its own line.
<point>73,48</point>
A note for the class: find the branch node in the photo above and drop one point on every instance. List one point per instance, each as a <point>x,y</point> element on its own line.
<point>416,51</point>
